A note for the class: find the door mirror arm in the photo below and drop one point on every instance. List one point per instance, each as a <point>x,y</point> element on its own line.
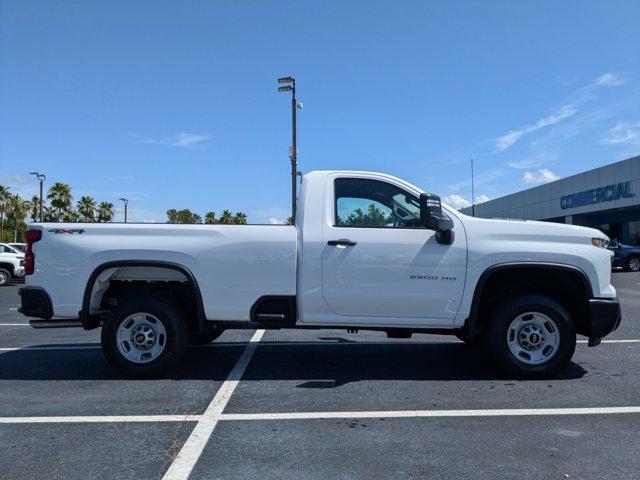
<point>431,217</point>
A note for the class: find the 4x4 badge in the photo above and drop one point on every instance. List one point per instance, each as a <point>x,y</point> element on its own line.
<point>67,230</point>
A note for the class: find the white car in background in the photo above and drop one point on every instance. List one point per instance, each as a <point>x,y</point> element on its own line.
<point>11,264</point>
<point>21,247</point>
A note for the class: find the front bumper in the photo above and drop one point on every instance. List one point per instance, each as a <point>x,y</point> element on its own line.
<point>604,317</point>
<point>18,272</point>
<point>35,303</point>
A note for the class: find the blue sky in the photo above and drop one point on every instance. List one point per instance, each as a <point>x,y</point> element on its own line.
<point>174,104</point>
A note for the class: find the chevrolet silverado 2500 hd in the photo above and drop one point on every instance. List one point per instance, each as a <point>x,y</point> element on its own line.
<point>368,251</point>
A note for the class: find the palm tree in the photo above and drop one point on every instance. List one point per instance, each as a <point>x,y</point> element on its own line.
<point>240,218</point>
<point>61,198</point>
<point>105,212</point>
<point>34,212</point>
<point>4,202</point>
<point>18,209</point>
<point>48,215</point>
<point>210,218</point>
<point>226,217</point>
<point>86,208</point>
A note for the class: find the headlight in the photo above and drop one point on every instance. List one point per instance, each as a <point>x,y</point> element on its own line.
<point>600,242</point>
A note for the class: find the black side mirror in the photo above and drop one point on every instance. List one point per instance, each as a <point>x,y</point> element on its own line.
<point>431,217</point>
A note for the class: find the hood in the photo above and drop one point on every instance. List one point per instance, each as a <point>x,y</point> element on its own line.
<point>533,229</point>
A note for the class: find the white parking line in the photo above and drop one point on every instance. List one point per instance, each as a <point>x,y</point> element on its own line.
<point>14,324</point>
<point>193,447</point>
<point>103,419</point>
<point>432,413</point>
<point>274,343</point>
<point>214,415</point>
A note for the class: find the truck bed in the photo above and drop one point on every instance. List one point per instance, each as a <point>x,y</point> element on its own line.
<point>234,265</point>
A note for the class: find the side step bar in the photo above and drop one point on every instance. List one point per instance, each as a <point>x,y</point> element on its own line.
<point>55,323</point>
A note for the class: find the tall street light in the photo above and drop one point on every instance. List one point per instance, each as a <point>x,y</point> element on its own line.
<point>41,178</point>
<point>126,202</point>
<point>289,85</point>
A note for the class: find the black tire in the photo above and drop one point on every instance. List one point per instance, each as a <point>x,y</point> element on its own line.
<point>5,277</point>
<point>204,338</point>
<point>633,264</point>
<point>498,329</point>
<point>175,344</point>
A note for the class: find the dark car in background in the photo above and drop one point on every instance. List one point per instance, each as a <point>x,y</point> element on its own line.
<point>625,256</point>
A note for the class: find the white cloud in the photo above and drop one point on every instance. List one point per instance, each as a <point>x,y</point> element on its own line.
<point>565,111</point>
<point>482,198</point>
<point>623,134</point>
<point>544,175</point>
<point>512,136</point>
<point>456,201</point>
<point>183,140</point>
<point>609,80</point>
<point>276,221</point>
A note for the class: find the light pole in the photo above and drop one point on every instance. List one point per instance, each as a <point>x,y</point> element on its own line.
<point>289,85</point>
<point>41,178</point>
<point>473,193</point>
<point>126,202</point>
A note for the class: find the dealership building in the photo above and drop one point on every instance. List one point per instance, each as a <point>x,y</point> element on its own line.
<point>607,198</point>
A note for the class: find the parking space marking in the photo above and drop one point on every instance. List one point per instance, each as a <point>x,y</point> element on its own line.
<point>432,413</point>
<point>14,324</point>
<point>275,343</point>
<point>192,449</point>
<point>103,419</point>
<point>214,415</point>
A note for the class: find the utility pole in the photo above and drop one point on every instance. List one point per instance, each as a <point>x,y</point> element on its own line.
<point>126,202</point>
<point>473,193</point>
<point>41,178</point>
<point>290,86</point>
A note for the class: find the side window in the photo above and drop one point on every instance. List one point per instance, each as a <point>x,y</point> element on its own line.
<point>360,202</point>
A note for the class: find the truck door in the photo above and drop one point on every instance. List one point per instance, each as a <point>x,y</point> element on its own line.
<point>379,261</point>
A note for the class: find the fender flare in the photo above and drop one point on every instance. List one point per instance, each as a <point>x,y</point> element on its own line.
<point>90,322</point>
<point>470,324</point>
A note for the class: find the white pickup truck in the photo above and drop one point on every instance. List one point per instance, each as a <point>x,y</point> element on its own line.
<point>368,251</point>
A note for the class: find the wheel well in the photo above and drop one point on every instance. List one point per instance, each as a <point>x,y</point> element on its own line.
<point>568,287</point>
<point>114,282</point>
<point>8,266</point>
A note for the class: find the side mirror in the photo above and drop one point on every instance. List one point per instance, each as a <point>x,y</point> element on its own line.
<point>431,217</point>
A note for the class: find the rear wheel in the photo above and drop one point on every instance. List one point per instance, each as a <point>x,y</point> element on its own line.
<point>531,336</point>
<point>633,264</point>
<point>144,336</point>
<point>5,277</point>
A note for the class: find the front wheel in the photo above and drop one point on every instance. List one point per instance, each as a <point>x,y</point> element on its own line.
<point>5,277</point>
<point>633,264</point>
<point>531,336</point>
<point>144,336</point>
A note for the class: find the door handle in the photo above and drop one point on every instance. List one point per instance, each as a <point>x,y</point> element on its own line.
<point>343,242</point>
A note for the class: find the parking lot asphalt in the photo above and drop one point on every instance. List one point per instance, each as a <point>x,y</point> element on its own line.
<point>316,404</point>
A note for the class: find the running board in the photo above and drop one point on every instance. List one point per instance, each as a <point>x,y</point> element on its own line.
<point>55,323</point>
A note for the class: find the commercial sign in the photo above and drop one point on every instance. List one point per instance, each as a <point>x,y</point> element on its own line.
<point>609,193</point>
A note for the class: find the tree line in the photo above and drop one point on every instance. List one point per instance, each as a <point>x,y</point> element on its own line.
<point>187,216</point>
<point>57,207</point>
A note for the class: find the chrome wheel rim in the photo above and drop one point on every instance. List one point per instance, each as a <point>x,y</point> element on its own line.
<point>141,338</point>
<point>634,264</point>
<point>4,278</point>
<point>533,338</point>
